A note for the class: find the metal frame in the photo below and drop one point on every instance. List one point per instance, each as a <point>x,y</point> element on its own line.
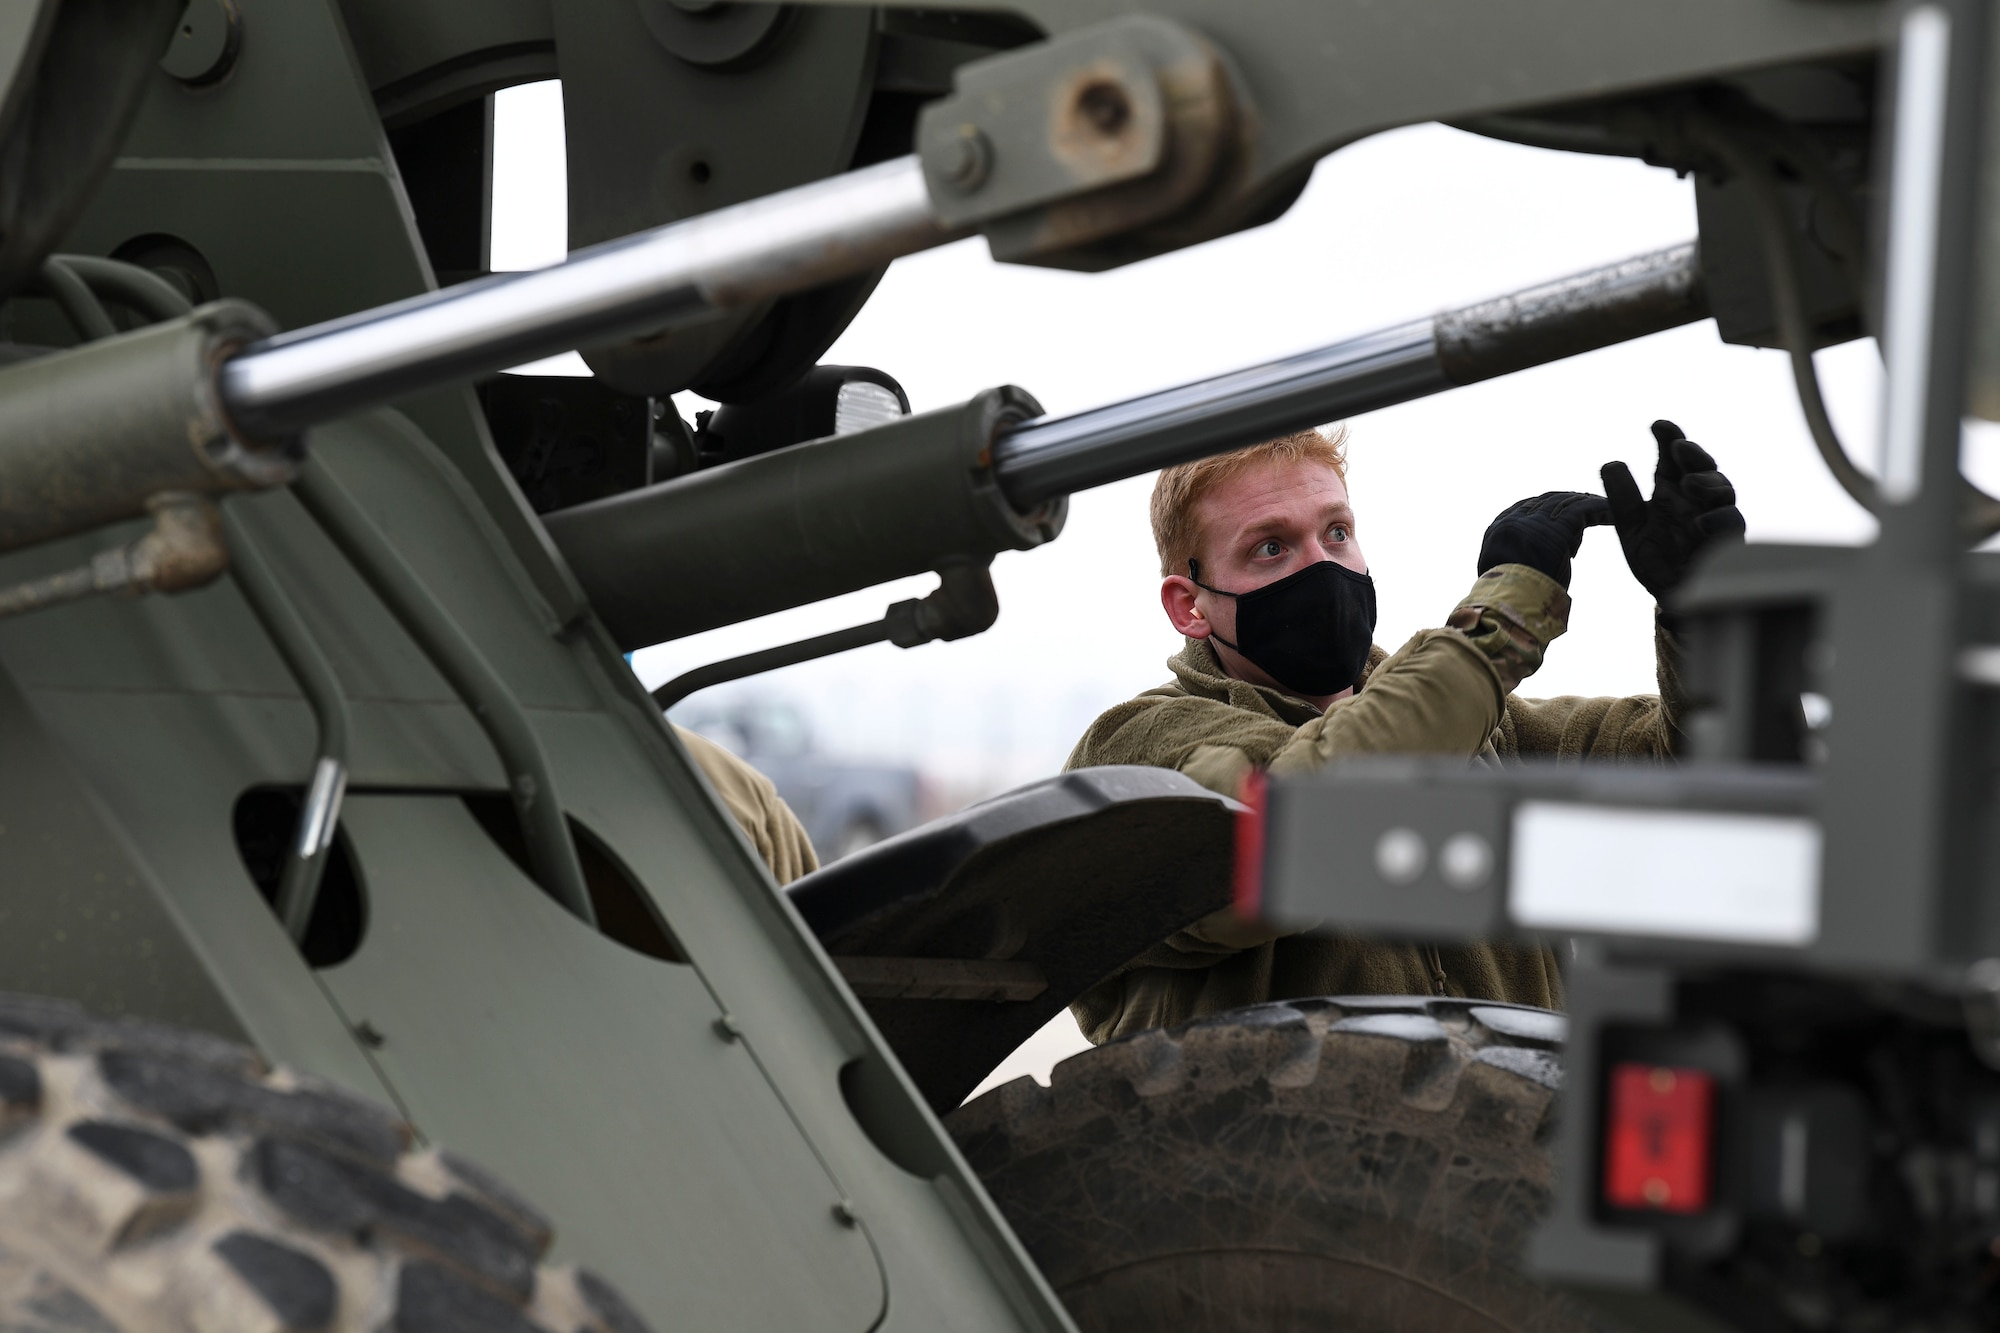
<point>465,628</point>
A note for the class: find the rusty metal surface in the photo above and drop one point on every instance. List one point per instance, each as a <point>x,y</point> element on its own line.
<point>1055,148</point>
<point>1641,295</point>
<point>183,550</point>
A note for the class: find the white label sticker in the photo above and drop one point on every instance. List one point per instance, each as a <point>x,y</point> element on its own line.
<point>1752,879</point>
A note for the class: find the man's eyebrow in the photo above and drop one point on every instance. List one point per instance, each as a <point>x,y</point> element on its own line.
<point>1258,528</point>
<point>1270,523</point>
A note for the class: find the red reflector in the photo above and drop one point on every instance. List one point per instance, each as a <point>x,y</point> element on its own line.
<point>1659,1138</point>
<point>1246,885</point>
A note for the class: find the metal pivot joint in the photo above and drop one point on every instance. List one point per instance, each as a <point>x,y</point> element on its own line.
<point>1056,149</point>
<point>803,524</point>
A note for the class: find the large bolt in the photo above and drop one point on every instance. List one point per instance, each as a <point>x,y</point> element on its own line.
<point>966,160</point>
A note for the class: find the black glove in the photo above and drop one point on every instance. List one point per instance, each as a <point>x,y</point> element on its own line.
<point>1692,505</point>
<point>1542,533</point>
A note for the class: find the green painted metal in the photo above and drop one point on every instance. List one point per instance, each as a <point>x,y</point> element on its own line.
<point>905,498</point>
<point>700,1175</point>
<point>93,433</point>
<point>530,784</point>
<point>175,707</point>
<point>82,914</point>
<point>664,1155</point>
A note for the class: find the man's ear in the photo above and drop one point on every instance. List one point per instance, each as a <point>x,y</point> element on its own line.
<point>1177,596</point>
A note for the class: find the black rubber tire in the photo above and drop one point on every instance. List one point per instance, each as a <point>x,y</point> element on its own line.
<point>1363,1165</point>
<point>153,1178</point>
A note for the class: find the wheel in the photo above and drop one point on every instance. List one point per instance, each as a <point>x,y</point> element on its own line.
<point>1362,1165</point>
<point>154,1178</point>
<point>860,832</point>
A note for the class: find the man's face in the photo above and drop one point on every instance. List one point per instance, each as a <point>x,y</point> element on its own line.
<point>1258,527</point>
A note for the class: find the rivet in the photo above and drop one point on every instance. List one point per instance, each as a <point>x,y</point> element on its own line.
<point>966,160</point>
<point>1466,861</point>
<point>1400,855</point>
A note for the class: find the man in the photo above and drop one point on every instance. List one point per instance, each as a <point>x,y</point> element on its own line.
<point>1265,577</point>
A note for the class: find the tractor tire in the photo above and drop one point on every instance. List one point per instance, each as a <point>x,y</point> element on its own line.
<point>1366,1165</point>
<point>153,1178</point>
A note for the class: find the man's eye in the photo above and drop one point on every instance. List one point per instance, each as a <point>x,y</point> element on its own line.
<point>1338,532</point>
<point>1269,547</point>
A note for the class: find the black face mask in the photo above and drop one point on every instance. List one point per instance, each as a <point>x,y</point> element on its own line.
<point>1309,631</point>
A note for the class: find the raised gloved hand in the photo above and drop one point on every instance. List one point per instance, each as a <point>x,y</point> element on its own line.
<point>1692,505</point>
<point>1543,532</point>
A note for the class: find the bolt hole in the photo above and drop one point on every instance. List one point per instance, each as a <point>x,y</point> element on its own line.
<point>187,29</point>
<point>1105,107</point>
<point>699,171</point>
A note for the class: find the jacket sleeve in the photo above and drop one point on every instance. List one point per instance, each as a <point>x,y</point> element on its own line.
<point>1640,726</point>
<point>1445,690</point>
<point>753,802</point>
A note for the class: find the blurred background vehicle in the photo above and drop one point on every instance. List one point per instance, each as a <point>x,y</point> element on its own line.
<point>844,804</point>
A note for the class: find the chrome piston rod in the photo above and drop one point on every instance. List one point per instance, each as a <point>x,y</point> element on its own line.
<point>755,251</point>
<point>1040,459</point>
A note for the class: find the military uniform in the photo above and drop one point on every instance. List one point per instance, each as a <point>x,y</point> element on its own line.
<point>757,808</point>
<point>1445,692</point>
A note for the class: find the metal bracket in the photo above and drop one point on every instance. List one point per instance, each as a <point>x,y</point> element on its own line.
<point>1086,136</point>
<point>1724,855</point>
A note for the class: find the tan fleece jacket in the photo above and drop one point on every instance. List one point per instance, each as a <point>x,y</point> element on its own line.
<point>1446,691</point>
<point>758,810</point>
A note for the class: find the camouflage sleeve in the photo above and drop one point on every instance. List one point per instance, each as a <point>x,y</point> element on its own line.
<point>1512,615</point>
<point>1673,699</point>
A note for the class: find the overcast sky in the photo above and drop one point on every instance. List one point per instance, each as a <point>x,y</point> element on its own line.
<point>1392,228</point>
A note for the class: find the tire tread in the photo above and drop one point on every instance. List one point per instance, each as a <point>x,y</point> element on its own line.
<point>1364,1163</point>
<point>163,1179</point>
